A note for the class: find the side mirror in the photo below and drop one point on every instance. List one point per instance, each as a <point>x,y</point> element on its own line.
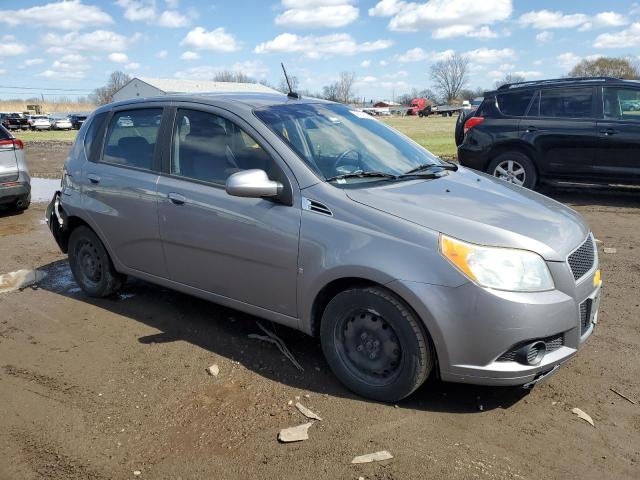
<point>253,184</point>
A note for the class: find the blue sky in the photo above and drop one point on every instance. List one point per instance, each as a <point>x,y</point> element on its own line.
<point>389,44</point>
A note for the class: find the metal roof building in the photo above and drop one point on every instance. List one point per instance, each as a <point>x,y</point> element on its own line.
<point>143,87</point>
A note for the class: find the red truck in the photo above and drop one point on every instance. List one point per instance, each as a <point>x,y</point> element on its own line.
<point>419,107</point>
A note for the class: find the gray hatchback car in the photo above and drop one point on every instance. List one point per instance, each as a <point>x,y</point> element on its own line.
<point>319,217</point>
<point>15,181</point>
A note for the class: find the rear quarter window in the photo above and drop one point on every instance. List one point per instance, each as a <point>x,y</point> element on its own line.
<point>514,104</point>
<point>94,127</point>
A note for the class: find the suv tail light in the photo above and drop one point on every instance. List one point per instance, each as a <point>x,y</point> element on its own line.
<point>11,144</point>
<point>472,122</point>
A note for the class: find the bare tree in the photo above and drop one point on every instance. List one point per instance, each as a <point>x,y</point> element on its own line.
<point>450,76</point>
<point>341,90</point>
<point>606,67</point>
<point>232,77</point>
<point>510,78</point>
<point>104,95</point>
<point>284,88</point>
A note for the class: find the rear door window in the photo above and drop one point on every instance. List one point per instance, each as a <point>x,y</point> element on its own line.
<point>92,132</point>
<point>621,103</point>
<point>514,103</point>
<point>567,103</point>
<point>131,138</point>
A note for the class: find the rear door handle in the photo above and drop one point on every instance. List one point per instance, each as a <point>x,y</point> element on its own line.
<point>93,178</point>
<point>531,128</point>
<point>609,131</point>
<point>176,198</point>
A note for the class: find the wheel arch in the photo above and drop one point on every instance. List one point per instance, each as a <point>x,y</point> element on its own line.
<point>519,147</point>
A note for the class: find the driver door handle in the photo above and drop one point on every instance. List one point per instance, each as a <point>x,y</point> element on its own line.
<point>93,178</point>
<point>176,198</point>
<point>609,131</point>
<point>531,128</point>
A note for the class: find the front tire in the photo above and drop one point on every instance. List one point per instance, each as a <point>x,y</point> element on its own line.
<point>91,265</point>
<point>514,167</point>
<point>374,344</point>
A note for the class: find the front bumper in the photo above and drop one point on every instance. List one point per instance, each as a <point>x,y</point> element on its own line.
<point>12,193</point>
<point>472,327</point>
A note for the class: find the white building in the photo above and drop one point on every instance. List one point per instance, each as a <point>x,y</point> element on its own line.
<point>144,87</point>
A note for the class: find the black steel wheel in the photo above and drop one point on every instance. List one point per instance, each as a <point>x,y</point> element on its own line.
<point>91,265</point>
<point>374,344</point>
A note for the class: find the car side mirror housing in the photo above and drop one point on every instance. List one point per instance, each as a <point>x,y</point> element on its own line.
<point>253,183</point>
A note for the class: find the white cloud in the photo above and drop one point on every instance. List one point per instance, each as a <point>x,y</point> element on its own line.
<point>145,11</point>
<point>419,55</point>
<point>593,57</point>
<point>490,55</point>
<point>118,57</point>
<point>67,15</point>
<point>68,67</point>
<point>367,79</point>
<point>365,63</point>
<point>3,71</point>
<point>316,14</point>
<point>448,18</point>
<point>529,74</point>
<point>627,38</point>
<point>173,19</point>
<point>216,40</point>
<point>161,54</point>
<point>547,19</point>
<point>9,49</point>
<point>189,55</point>
<point>33,61</point>
<point>132,66</point>
<point>383,63</point>
<point>320,46</point>
<point>544,37</point>
<point>252,68</point>
<point>568,60</point>
<point>387,8</point>
<point>98,41</point>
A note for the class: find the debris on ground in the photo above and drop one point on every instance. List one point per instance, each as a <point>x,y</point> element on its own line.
<point>609,250</point>
<point>277,341</point>
<point>584,416</point>
<point>137,472</point>
<point>306,412</point>
<point>373,457</point>
<point>20,279</point>
<point>213,370</point>
<point>623,396</point>
<point>295,434</point>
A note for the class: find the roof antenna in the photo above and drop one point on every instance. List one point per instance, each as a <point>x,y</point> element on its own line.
<point>291,93</point>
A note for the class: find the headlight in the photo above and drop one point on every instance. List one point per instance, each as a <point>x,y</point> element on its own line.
<point>499,268</point>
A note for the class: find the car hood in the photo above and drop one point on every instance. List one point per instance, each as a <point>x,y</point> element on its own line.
<point>480,209</point>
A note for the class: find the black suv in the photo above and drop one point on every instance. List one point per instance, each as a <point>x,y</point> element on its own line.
<point>77,121</point>
<point>571,129</point>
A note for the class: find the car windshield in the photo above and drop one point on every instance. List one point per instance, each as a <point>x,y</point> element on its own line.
<point>337,141</point>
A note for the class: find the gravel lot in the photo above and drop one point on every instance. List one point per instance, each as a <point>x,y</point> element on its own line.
<point>100,389</point>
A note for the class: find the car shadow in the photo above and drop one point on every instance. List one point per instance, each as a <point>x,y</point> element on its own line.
<point>593,195</point>
<point>10,211</point>
<point>224,332</point>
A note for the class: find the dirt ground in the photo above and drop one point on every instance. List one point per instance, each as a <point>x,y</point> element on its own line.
<point>100,389</point>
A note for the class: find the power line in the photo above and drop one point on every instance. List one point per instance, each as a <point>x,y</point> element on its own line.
<point>36,94</point>
<point>47,89</point>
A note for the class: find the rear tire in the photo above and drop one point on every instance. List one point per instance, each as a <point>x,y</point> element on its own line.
<point>374,344</point>
<point>514,167</point>
<point>91,265</point>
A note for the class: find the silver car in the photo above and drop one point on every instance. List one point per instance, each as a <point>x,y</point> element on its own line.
<point>15,182</point>
<point>319,217</point>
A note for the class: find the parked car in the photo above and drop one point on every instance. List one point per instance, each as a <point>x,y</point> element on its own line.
<point>15,182</point>
<point>575,130</point>
<point>77,121</point>
<point>60,123</point>
<point>38,122</point>
<point>463,116</point>
<point>13,121</point>
<point>319,217</point>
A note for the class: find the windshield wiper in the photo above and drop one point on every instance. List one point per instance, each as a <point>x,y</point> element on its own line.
<point>361,174</point>
<point>431,166</point>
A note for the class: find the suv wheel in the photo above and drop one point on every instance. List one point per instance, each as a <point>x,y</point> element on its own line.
<point>374,345</point>
<point>514,167</point>
<point>90,264</point>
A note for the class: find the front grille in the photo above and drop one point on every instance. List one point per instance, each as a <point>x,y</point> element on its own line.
<point>582,259</point>
<point>553,343</point>
<point>585,315</point>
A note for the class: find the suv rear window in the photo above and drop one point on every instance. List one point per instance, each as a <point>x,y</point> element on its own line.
<point>514,103</point>
<point>566,103</point>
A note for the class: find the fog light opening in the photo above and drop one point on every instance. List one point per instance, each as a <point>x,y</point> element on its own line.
<point>532,354</point>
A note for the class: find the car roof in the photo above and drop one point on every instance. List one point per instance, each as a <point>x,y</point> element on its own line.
<point>563,82</point>
<point>238,99</point>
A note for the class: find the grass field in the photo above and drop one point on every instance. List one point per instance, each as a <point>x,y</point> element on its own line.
<point>433,133</point>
